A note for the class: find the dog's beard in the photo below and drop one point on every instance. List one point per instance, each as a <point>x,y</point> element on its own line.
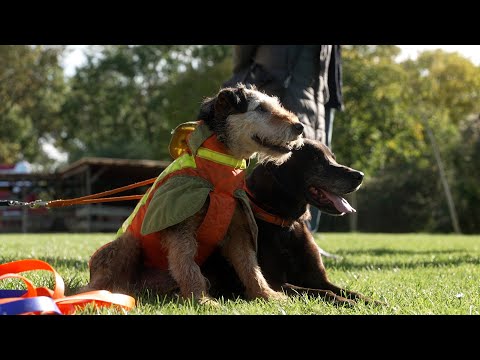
<point>281,146</point>
<point>277,160</point>
<point>263,150</point>
<point>252,133</point>
<point>278,152</point>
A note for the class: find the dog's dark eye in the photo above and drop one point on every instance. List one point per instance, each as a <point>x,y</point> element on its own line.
<point>261,108</point>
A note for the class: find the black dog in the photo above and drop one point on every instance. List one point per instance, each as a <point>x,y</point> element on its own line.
<point>287,253</point>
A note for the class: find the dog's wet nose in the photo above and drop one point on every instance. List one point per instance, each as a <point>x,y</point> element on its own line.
<point>298,127</point>
<point>358,175</point>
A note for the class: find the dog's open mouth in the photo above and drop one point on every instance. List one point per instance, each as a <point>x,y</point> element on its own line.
<point>283,149</point>
<point>328,202</point>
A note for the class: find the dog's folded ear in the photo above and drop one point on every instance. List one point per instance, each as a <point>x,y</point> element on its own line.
<point>230,101</point>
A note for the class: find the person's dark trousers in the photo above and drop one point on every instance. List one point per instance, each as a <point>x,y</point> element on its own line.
<point>329,115</point>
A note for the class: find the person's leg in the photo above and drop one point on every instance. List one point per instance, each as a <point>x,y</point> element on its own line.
<point>315,221</point>
<point>329,115</point>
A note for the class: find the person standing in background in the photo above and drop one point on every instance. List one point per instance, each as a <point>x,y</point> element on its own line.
<point>307,79</point>
<point>335,85</point>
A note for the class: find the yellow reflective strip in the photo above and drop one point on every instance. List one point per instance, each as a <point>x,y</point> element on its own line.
<point>221,158</point>
<point>184,161</point>
<point>128,221</point>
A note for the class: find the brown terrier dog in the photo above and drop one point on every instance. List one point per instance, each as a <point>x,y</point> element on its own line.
<point>199,204</point>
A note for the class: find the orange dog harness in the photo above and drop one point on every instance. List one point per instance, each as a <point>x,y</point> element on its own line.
<point>204,168</point>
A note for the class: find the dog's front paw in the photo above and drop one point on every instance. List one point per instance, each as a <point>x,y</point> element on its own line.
<point>374,302</point>
<point>270,294</point>
<point>209,302</point>
<point>276,295</point>
<point>341,301</point>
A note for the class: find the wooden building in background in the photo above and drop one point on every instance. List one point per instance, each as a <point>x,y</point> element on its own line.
<point>84,177</point>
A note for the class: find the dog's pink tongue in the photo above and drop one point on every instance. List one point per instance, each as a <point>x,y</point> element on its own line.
<point>340,203</point>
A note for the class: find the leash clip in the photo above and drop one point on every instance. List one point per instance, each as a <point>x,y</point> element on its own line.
<point>37,204</point>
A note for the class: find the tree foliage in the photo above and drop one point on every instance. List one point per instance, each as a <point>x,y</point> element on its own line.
<point>388,107</point>
<point>128,98</point>
<point>32,90</point>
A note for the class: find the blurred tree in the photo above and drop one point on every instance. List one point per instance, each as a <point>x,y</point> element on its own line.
<point>32,90</point>
<point>376,122</point>
<point>126,99</point>
<point>382,132</point>
<point>447,81</point>
<point>448,93</point>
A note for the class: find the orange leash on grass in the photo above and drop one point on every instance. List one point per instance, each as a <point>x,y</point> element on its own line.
<point>42,300</point>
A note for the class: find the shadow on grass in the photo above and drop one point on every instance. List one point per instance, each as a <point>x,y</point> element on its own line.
<point>53,261</point>
<point>352,261</point>
<point>385,251</point>
<point>414,259</point>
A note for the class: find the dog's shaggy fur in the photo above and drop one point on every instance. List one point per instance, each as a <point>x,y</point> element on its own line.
<point>247,122</point>
<point>288,255</point>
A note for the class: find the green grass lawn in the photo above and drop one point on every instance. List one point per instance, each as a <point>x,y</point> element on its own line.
<point>413,273</point>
